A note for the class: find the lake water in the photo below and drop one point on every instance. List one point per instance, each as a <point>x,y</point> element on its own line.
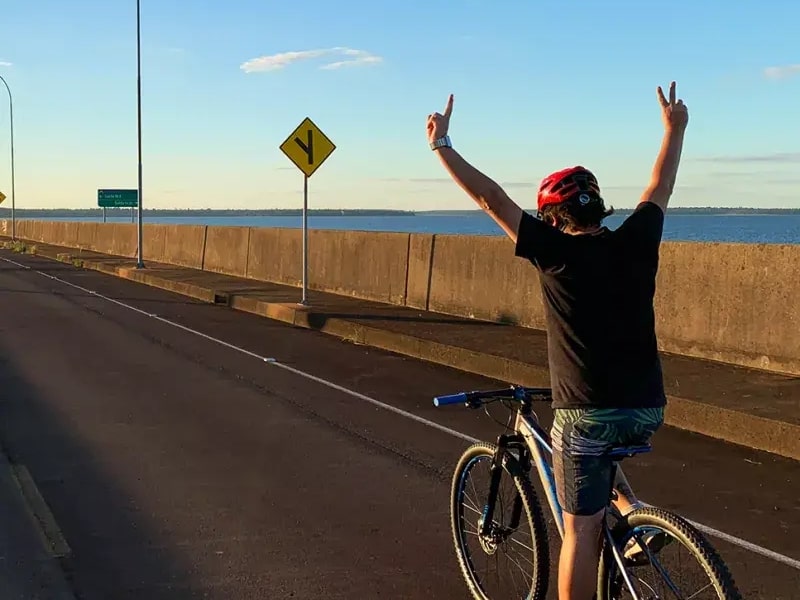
<point>747,228</point>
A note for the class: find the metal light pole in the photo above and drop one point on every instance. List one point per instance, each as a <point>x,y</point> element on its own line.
<point>139,262</point>
<point>13,199</point>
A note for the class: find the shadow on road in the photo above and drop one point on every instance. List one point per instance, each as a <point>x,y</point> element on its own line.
<point>115,547</point>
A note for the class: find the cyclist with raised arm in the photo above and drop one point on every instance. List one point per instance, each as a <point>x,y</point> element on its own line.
<point>598,287</point>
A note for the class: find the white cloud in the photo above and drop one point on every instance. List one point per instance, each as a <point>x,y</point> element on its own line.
<point>782,72</point>
<point>774,157</point>
<point>356,57</point>
<point>274,62</point>
<point>5,63</point>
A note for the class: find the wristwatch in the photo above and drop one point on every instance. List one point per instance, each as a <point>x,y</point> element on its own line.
<point>442,142</point>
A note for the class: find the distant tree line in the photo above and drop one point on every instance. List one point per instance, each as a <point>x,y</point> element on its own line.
<point>680,210</point>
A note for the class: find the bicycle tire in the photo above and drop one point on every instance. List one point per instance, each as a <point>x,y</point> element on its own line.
<point>692,539</point>
<point>532,509</point>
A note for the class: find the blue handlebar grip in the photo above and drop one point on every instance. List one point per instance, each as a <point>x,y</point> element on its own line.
<point>460,398</point>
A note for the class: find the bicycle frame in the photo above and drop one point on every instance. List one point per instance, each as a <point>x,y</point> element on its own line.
<point>533,442</point>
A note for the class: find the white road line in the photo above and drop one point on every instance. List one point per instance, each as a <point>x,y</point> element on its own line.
<point>755,548</point>
<point>145,313</point>
<point>383,405</point>
<point>731,539</point>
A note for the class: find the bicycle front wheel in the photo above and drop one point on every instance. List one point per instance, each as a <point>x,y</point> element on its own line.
<point>665,557</point>
<point>513,560</point>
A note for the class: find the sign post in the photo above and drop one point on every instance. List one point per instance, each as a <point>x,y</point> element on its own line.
<point>307,147</point>
<point>13,192</point>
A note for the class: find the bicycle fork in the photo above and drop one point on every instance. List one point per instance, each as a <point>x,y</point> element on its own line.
<point>504,442</point>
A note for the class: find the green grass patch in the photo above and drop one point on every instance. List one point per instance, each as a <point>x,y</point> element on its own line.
<point>18,246</point>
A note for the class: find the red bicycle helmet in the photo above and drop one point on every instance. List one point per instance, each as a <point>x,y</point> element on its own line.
<point>563,185</point>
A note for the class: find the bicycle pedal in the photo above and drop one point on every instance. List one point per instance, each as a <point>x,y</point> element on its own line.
<point>636,556</point>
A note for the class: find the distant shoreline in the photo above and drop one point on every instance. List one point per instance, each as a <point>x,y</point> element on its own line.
<point>33,213</point>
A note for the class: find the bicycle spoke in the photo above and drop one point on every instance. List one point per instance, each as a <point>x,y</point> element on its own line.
<point>472,483</point>
<point>528,548</point>
<point>472,508</point>
<point>656,565</point>
<point>700,590</point>
<point>513,578</point>
<point>509,549</point>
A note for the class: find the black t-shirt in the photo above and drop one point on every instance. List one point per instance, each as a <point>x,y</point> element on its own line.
<point>598,293</point>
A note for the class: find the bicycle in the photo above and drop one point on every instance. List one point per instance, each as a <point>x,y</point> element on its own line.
<point>624,547</point>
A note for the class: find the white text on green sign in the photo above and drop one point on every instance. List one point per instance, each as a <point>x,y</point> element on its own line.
<point>117,198</point>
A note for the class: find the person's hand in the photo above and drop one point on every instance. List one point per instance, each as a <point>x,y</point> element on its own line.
<point>674,113</point>
<point>438,124</point>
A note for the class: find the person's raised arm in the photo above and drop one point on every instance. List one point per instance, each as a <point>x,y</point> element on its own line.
<point>665,171</point>
<point>487,193</point>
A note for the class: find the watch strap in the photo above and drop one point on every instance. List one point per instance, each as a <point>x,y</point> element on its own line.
<point>442,142</point>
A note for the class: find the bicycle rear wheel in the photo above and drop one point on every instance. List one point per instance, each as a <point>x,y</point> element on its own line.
<point>512,562</point>
<point>651,570</point>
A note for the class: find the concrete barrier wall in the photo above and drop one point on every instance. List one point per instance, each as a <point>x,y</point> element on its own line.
<point>731,302</point>
<point>358,263</point>
<point>226,250</point>
<point>353,263</point>
<point>184,245</point>
<point>64,233</point>
<point>480,277</point>
<point>155,239</point>
<point>735,303</point>
<point>87,235</point>
<point>37,230</point>
<point>275,255</point>
<point>418,278</point>
<point>123,239</point>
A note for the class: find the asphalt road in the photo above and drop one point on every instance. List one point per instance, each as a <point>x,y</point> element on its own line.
<point>179,467</point>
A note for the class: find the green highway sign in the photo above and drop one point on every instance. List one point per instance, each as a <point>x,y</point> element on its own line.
<point>117,198</point>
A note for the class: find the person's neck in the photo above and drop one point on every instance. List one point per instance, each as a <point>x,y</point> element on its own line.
<point>583,230</point>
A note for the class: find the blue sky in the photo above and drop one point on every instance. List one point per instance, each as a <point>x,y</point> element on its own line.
<point>538,86</point>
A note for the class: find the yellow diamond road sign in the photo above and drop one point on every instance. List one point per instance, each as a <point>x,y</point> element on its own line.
<point>2,197</point>
<point>307,147</point>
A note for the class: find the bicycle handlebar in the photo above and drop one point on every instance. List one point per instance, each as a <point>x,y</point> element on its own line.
<point>459,398</point>
<point>513,392</point>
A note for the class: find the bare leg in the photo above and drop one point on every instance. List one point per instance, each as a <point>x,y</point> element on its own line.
<point>580,553</point>
<point>626,500</point>
<point>625,503</point>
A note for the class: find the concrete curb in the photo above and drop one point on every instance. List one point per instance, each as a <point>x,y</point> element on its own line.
<point>179,287</point>
<point>733,426</point>
<point>717,422</point>
<point>429,350</point>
